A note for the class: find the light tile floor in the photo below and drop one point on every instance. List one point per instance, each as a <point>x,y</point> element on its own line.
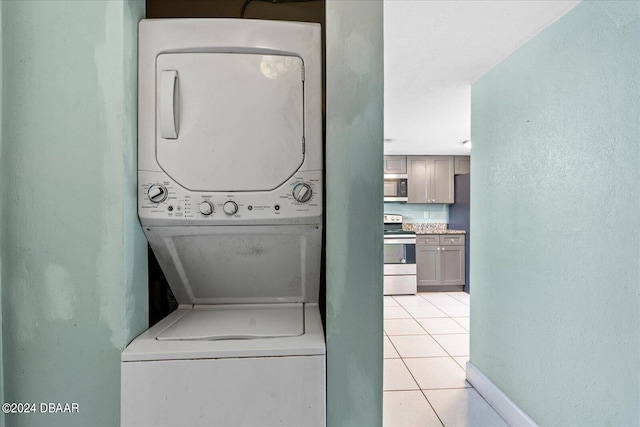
<point>426,348</point>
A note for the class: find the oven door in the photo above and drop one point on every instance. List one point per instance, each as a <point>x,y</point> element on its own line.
<point>400,266</point>
<point>399,255</point>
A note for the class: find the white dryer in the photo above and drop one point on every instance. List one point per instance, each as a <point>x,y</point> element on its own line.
<point>230,199</point>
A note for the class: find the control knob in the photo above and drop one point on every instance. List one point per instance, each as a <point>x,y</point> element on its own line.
<point>157,193</point>
<point>302,192</point>
<point>230,207</point>
<point>206,208</point>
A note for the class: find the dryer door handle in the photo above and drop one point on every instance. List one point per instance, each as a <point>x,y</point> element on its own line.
<point>167,104</point>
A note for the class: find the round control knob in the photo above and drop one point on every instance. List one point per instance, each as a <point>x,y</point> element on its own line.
<point>157,193</point>
<point>206,208</point>
<point>302,192</point>
<point>230,207</point>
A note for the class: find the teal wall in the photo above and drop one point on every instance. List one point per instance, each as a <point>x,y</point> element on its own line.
<point>3,225</point>
<point>73,254</point>
<point>354,51</point>
<point>415,212</point>
<point>555,320</point>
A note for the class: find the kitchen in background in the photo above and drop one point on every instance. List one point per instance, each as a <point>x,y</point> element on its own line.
<point>429,197</point>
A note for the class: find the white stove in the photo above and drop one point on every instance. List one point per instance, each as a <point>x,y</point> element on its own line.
<point>399,258</point>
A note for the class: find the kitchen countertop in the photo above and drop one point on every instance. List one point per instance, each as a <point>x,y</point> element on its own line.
<point>430,228</point>
<point>447,231</point>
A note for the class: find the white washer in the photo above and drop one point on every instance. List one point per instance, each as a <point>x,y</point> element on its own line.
<point>230,199</point>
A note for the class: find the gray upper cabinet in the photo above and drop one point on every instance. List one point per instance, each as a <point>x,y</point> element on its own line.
<point>430,179</point>
<point>462,165</point>
<point>395,164</point>
<point>417,179</point>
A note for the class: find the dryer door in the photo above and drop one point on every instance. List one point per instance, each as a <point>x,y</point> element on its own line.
<point>229,121</point>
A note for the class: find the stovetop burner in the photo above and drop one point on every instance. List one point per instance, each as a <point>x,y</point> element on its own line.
<point>393,226</point>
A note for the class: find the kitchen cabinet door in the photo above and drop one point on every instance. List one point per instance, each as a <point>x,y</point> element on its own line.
<point>430,179</point>
<point>428,265</point>
<point>452,265</point>
<point>417,171</point>
<point>395,164</point>
<point>441,185</point>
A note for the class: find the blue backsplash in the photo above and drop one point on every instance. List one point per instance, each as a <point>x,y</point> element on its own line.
<point>414,212</point>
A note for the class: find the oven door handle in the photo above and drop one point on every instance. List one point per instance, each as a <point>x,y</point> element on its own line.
<point>409,241</point>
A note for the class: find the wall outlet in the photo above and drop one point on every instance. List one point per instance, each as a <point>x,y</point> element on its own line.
<point>426,215</point>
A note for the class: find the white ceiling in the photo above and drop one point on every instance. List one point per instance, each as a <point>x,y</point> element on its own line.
<point>434,50</point>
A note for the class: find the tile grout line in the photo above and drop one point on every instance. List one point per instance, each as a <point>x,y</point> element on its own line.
<point>431,335</point>
<point>402,358</point>
<point>446,351</point>
<point>432,408</point>
<point>414,378</point>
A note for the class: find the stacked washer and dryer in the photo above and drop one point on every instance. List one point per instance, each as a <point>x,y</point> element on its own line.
<point>230,199</point>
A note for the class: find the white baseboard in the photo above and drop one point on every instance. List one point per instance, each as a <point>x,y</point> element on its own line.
<point>509,411</point>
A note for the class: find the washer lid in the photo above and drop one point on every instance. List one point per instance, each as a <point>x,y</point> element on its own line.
<point>246,321</point>
<point>229,121</point>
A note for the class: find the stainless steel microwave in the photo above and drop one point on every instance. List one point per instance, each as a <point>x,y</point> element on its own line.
<point>395,188</point>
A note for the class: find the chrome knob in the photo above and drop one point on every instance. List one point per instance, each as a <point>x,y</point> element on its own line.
<point>230,207</point>
<point>206,208</point>
<point>157,193</point>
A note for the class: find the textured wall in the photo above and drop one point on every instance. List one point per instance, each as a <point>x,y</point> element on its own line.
<point>555,319</point>
<point>73,254</point>
<point>354,212</point>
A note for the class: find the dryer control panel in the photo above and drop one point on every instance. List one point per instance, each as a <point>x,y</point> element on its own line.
<point>159,198</point>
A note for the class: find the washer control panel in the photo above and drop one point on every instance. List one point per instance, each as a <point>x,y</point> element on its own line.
<point>161,198</point>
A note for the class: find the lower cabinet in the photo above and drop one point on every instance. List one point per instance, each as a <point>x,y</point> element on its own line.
<point>440,260</point>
